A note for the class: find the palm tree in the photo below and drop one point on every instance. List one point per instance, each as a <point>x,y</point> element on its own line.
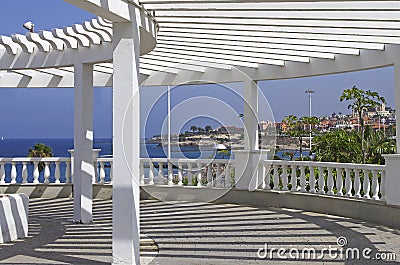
<point>299,128</point>
<point>377,144</point>
<point>40,150</point>
<point>193,128</point>
<point>361,100</point>
<point>208,128</point>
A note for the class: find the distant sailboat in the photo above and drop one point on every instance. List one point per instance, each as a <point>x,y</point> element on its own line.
<point>2,138</point>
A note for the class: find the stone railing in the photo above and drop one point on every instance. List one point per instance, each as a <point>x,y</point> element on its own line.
<point>187,172</point>
<point>35,170</point>
<point>340,179</point>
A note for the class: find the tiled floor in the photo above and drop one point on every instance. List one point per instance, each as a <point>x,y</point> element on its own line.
<point>199,233</point>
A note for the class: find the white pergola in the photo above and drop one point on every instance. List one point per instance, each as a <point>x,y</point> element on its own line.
<point>162,42</point>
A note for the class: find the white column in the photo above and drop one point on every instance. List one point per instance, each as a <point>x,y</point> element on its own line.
<point>250,116</point>
<point>397,102</point>
<point>392,162</point>
<point>83,170</point>
<point>126,132</point>
<point>392,179</point>
<point>247,160</point>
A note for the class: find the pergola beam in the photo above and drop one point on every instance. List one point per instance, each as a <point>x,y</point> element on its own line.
<point>113,10</point>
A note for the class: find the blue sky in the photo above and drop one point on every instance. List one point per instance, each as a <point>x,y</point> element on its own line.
<point>48,113</point>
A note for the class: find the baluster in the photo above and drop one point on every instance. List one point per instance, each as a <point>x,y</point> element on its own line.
<point>329,181</point>
<point>36,172</point>
<point>141,172</point>
<point>46,173</point>
<point>227,177</point>
<point>209,175</point>
<point>302,179</point>
<point>267,174</point>
<point>2,174</point>
<point>190,174</point>
<point>357,183</point>
<point>111,171</point>
<point>348,183</point>
<point>339,181</point>
<point>366,184</point>
<point>199,174</point>
<point>24,173</point>
<point>68,178</point>
<point>57,173</point>
<point>375,185</point>
<point>218,176</point>
<point>284,177</point>
<point>13,173</point>
<point>275,178</point>
<point>180,174</point>
<point>321,180</point>
<point>312,179</point>
<point>293,178</point>
<point>151,173</point>
<point>160,176</point>
<point>170,174</point>
<point>261,174</point>
<point>96,177</point>
<point>383,185</point>
<point>102,174</point>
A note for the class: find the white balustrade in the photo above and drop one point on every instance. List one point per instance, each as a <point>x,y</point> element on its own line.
<point>188,172</point>
<point>340,179</point>
<point>18,170</point>
<point>368,181</point>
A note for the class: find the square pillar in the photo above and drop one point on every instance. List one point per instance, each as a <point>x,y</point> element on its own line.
<point>250,115</point>
<point>126,140</point>
<point>391,183</point>
<point>397,102</point>
<point>83,170</point>
<point>247,161</point>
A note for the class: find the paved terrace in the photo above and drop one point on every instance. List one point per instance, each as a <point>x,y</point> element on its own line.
<point>192,233</point>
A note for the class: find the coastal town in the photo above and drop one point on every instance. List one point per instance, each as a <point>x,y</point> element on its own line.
<point>381,118</point>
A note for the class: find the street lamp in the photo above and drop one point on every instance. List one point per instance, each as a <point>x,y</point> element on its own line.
<point>309,91</point>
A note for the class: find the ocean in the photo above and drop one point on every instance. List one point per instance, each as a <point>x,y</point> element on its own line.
<point>60,146</point>
<point>19,148</point>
